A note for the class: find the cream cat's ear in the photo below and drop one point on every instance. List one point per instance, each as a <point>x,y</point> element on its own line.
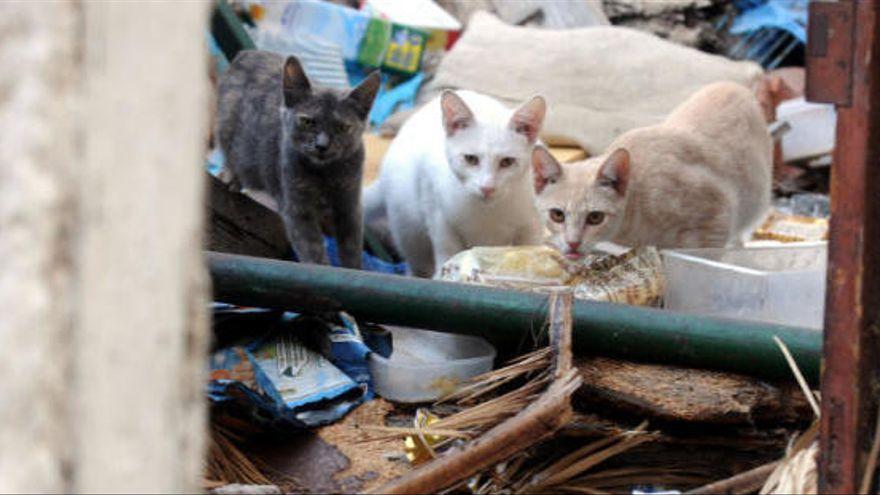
<point>296,84</point>
<point>614,172</point>
<point>456,114</point>
<point>546,169</point>
<point>528,118</point>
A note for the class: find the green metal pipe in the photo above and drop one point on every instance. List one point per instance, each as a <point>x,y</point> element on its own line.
<point>507,317</point>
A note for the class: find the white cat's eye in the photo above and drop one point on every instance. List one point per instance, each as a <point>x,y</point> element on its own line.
<point>507,162</point>
<point>305,122</point>
<point>595,217</point>
<point>473,160</point>
<point>557,215</point>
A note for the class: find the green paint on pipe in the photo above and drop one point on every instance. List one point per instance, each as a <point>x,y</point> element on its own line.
<point>510,318</point>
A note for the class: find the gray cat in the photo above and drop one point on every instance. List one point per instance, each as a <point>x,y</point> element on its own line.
<point>301,145</point>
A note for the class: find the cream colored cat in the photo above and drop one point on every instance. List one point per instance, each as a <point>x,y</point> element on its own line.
<point>701,178</point>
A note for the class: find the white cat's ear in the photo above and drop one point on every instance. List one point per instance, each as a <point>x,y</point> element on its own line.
<point>614,173</point>
<point>528,118</point>
<point>361,97</point>
<point>456,114</point>
<point>296,84</point>
<point>546,169</point>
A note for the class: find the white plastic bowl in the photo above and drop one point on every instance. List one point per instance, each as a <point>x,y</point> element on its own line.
<point>425,365</point>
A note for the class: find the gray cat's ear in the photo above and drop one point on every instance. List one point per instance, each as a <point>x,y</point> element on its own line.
<point>296,85</point>
<point>614,173</point>
<point>361,97</point>
<point>456,114</point>
<point>545,168</point>
<point>529,117</point>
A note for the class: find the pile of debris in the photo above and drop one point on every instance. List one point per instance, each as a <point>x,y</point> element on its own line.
<point>294,394</point>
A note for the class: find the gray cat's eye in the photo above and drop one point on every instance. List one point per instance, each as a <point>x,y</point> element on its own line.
<point>557,215</point>
<point>472,160</point>
<point>341,127</point>
<point>595,217</point>
<point>305,122</point>
<point>507,162</point>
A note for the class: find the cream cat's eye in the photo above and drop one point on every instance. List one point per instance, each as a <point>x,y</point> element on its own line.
<point>473,160</point>
<point>507,162</point>
<point>557,215</point>
<point>595,217</point>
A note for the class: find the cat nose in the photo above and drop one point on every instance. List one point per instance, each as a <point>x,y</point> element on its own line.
<point>487,191</point>
<point>322,142</point>
<point>574,245</point>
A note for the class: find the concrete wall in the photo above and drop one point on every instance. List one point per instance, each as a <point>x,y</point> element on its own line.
<point>103,322</point>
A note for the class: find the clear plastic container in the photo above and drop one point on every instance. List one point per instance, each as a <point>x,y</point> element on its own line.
<point>778,284</point>
<point>425,365</point>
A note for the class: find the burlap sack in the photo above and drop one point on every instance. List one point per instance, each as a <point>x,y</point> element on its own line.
<point>598,81</point>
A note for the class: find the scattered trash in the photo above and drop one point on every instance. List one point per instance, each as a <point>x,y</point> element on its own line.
<point>419,448</point>
<point>635,277</point>
<point>694,23</point>
<point>284,383</point>
<point>769,30</point>
<point>780,284</point>
<point>337,24</point>
<point>812,131</point>
<point>401,97</point>
<point>549,418</point>
<point>425,366</point>
<point>321,59</point>
<point>808,205</point>
<point>784,227</point>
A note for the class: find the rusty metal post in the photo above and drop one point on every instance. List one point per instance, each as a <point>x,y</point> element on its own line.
<point>843,68</point>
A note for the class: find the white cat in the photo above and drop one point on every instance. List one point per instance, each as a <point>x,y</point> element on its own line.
<point>457,175</point>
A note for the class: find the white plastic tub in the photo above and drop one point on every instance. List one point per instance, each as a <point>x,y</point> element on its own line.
<point>425,365</point>
<point>780,284</point>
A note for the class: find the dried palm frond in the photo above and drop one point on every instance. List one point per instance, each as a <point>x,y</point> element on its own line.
<point>567,473</point>
<point>797,472</point>
<point>227,464</point>
<point>531,363</point>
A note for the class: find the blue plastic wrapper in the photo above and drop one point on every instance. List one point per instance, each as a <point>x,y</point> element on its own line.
<point>788,15</point>
<point>304,372</point>
<point>368,261</point>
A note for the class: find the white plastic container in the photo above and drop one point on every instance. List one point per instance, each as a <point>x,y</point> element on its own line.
<point>780,284</point>
<point>812,128</point>
<point>425,365</point>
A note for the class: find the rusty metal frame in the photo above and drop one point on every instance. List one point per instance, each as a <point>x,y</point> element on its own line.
<point>843,68</point>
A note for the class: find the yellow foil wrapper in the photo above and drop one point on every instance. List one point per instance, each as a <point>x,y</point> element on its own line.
<point>418,448</point>
<point>791,228</point>
<point>635,277</point>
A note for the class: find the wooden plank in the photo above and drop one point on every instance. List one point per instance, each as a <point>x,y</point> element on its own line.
<point>240,225</point>
<point>849,383</point>
<point>830,53</point>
